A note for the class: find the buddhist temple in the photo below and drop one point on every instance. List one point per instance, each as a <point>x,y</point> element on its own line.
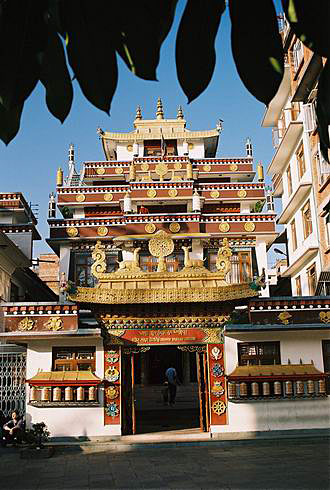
<point>162,252</point>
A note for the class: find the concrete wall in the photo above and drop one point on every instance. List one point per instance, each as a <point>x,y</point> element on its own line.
<point>67,422</point>
<point>278,414</point>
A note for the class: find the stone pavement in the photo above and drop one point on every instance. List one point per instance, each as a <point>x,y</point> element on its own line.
<point>263,464</point>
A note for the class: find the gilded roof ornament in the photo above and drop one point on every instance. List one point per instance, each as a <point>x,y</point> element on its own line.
<point>180,113</point>
<point>138,114</point>
<point>160,112</point>
<point>99,265</point>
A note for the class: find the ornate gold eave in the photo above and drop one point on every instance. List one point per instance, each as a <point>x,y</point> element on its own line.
<point>166,295</point>
<point>173,235</point>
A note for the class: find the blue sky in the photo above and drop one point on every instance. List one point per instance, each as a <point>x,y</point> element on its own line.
<point>30,161</point>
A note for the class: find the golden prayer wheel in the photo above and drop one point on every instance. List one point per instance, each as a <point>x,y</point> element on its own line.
<point>189,170</point>
<point>255,389</point>
<point>45,394</point>
<point>80,394</point>
<point>68,394</point>
<point>59,177</point>
<point>232,390</point>
<point>265,388</point>
<point>33,394</point>
<point>57,394</point>
<point>277,388</point>
<point>243,389</point>
<point>91,393</point>
<point>288,388</point>
<point>300,387</point>
<point>321,384</point>
<point>310,387</point>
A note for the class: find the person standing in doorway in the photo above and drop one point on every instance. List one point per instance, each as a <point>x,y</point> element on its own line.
<point>172,379</point>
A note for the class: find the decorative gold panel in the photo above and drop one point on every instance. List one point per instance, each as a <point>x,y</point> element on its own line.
<point>161,244</point>
<point>215,194</point>
<point>100,171</point>
<point>54,323</point>
<point>207,168</point>
<point>174,227</point>
<point>80,197</point>
<point>224,227</point>
<point>144,167</point>
<point>72,231</point>
<point>119,170</point>
<point>177,166</point>
<point>151,193</point>
<point>241,193</point>
<point>102,231</point>
<point>108,196</point>
<point>249,226</point>
<point>26,324</point>
<point>233,167</point>
<point>150,227</point>
<point>161,169</point>
<point>172,192</point>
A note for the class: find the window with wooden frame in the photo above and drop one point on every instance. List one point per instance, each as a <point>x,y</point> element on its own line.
<point>258,353</point>
<point>174,262</point>
<point>74,359</point>
<point>240,266</point>
<point>301,161</point>
<point>326,362</point>
<point>293,234</point>
<point>153,148</point>
<point>289,180</point>
<point>311,275</point>
<point>298,286</point>
<point>82,267</point>
<point>307,219</point>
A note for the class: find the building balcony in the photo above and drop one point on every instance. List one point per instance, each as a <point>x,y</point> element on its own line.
<point>308,76</point>
<point>277,185</point>
<point>306,253</point>
<point>273,111</point>
<point>295,200</point>
<point>286,147</point>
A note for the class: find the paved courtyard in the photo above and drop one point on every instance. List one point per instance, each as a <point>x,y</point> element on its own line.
<point>263,464</point>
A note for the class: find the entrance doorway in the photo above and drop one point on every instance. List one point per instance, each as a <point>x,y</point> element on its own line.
<point>149,411</point>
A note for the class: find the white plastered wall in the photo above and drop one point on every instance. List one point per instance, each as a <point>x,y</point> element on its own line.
<point>278,414</point>
<point>67,422</point>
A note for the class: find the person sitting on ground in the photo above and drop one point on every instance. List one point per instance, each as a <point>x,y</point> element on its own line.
<point>13,430</point>
<point>173,381</point>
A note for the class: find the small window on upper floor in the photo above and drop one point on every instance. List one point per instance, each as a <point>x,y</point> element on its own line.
<point>311,276</point>
<point>301,161</point>
<point>307,219</point>
<point>289,180</point>
<point>294,234</point>
<point>298,286</point>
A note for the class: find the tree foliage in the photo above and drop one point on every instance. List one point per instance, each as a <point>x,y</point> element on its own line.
<point>31,49</point>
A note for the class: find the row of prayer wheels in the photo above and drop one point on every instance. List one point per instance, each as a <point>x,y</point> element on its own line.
<point>279,388</point>
<point>70,394</point>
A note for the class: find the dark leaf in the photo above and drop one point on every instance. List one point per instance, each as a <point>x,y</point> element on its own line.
<point>55,77</point>
<point>141,33</point>
<point>22,38</point>
<point>323,109</point>
<point>310,22</point>
<point>257,47</point>
<point>195,53</point>
<point>9,122</point>
<point>90,50</point>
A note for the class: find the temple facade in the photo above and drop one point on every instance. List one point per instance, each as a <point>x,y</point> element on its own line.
<point>163,263</point>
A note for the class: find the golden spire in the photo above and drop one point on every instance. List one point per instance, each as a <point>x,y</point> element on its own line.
<point>180,113</point>
<point>138,114</point>
<point>160,112</point>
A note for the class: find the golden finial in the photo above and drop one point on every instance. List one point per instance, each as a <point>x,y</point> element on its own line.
<point>160,112</point>
<point>138,114</point>
<point>180,113</point>
<point>59,177</point>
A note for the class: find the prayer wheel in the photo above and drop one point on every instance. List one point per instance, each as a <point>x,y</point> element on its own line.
<point>68,394</point>
<point>277,388</point>
<point>255,389</point>
<point>33,394</point>
<point>80,394</point>
<point>243,389</point>
<point>91,393</point>
<point>45,394</point>
<point>57,394</point>
<point>265,388</point>
<point>310,387</point>
<point>321,385</point>
<point>288,388</point>
<point>232,390</point>
<point>300,387</point>
<point>189,170</point>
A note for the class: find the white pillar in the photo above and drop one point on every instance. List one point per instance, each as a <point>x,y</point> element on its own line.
<point>196,249</point>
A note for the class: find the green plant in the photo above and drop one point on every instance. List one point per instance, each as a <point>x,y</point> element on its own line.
<point>37,435</point>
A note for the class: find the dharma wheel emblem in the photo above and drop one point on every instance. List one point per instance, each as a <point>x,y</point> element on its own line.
<point>174,227</point>
<point>224,227</point>
<point>150,228</point>
<point>219,407</point>
<point>241,193</point>
<point>72,231</point>
<point>102,231</point>
<point>144,167</point>
<point>80,197</point>
<point>207,168</point>
<point>172,192</point>
<point>233,167</point>
<point>108,196</point>
<point>119,170</point>
<point>249,226</point>
<point>151,193</point>
<point>160,246</point>
<point>100,171</point>
<point>215,194</point>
